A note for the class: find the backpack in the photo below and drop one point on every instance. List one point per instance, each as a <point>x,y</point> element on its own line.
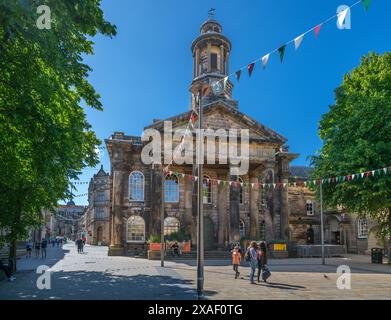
<point>248,255</point>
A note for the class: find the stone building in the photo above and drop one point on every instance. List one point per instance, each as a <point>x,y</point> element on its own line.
<point>96,220</point>
<point>340,228</point>
<point>231,212</point>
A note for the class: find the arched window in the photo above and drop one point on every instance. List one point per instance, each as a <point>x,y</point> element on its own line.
<point>135,229</point>
<point>241,195</point>
<point>171,188</point>
<point>242,228</point>
<point>171,225</point>
<point>136,186</point>
<point>207,190</point>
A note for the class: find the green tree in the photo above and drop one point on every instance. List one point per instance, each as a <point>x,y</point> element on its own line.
<point>45,139</point>
<point>356,134</point>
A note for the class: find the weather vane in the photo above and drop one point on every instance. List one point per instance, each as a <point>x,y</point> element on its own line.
<point>211,13</point>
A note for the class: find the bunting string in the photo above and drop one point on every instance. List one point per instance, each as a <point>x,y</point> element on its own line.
<point>280,185</point>
<point>296,41</point>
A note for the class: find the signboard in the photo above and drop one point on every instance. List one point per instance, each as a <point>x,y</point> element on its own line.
<point>279,247</point>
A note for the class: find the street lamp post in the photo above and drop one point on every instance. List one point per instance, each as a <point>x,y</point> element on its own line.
<point>321,221</point>
<point>200,234</point>
<point>162,226</point>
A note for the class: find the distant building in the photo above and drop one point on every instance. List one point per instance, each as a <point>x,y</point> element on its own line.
<point>96,219</point>
<point>341,228</point>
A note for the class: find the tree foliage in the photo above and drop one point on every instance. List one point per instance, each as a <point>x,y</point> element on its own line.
<point>45,139</point>
<point>356,134</point>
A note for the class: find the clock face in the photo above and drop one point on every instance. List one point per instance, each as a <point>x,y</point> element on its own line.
<point>217,87</point>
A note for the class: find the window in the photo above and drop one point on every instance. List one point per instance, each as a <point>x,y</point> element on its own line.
<point>136,186</point>
<point>310,207</point>
<point>171,225</point>
<point>242,229</point>
<point>100,196</point>
<point>207,190</point>
<point>171,188</point>
<point>241,196</point>
<point>362,228</point>
<point>99,213</point>
<point>213,61</point>
<point>135,229</point>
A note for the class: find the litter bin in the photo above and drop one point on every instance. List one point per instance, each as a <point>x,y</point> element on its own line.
<point>377,255</point>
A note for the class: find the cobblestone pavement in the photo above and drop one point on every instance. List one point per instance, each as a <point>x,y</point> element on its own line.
<point>94,275</point>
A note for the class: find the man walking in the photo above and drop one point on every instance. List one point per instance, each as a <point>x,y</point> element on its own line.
<point>44,245</point>
<point>251,257</point>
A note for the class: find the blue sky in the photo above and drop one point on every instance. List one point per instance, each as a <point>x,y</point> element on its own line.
<point>145,71</point>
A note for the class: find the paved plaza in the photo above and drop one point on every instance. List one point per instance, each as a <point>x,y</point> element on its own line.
<point>94,275</point>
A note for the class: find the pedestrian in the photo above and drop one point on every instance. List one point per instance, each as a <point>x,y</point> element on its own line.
<point>262,259</point>
<point>37,248</point>
<point>53,242</point>
<point>44,245</point>
<point>236,258</point>
<point>7,271</point>
<point>79,244</point>
<point>29,248</point>
<point>251,258</point>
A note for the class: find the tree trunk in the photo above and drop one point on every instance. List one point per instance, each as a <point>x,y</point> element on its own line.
<point>14,236</point>
<point>12,255</point>
<point>389,235</point>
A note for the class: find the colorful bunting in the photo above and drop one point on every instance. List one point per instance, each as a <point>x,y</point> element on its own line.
<point>317,29</point>
<point>298,41</point>
<point>281,50</point>
<point>238,74</point>
<point>265,59</point>
<point>366,4</point>
<point>250,68</point>
<point>225,82</point>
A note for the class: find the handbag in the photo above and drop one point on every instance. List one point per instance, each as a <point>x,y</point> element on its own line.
<point>265,273</point>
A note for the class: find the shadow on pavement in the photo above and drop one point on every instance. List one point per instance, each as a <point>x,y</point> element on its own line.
<point>83,285</point>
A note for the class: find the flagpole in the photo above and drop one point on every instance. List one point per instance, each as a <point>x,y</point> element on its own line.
<point>162,226</point>
<point>200,216</point>
<point>321,220</point>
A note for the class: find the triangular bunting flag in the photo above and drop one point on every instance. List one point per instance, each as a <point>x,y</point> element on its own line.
<point>281,50</point>
<point>317,29</point>
<point>385,170</point>
<point>298,41</point>
<point>366,4</point>
<point>225,82</point>
<point>342,17</point>
<point>265,59</point>
<point>195,178</point>
<point>373,172</point>
<point>362,174</point>
<point>250,68</point>
<point>238,74</point>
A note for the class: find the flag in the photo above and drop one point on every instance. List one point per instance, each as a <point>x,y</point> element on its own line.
<point>366,4</point>
<point>342,17</point>
<point>385,170</point>
<point>298,41</point>
<point>225,82</point>
<point>281,50</point>
<point>250,68</point>
<point>265,59</point>
<point>238,74</point>
<point>317,29</point>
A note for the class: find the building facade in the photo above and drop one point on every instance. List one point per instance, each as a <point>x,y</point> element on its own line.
<point>139,191</point>
<point>96,219</point>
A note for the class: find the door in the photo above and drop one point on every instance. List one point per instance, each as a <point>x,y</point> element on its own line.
<point>209,241</point>
<point>99,235</point>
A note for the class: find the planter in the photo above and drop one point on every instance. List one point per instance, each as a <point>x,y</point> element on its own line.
<point>154,246</point>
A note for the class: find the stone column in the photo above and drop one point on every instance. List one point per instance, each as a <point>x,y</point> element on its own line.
<point>156,200</point>
<point>188,219</point>
<point>197,62</point>
<point>227,63</point>
<point>222,59</point>
<point>234,216</point>
<point>284,209</point>
<point>117,222</point>
<point>208,57</point>
<point>254,210</point>
<point>222,211</point>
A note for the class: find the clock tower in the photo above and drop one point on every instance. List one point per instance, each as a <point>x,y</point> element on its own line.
<point>211,50</point>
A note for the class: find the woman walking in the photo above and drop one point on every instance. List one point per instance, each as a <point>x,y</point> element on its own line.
<point>37,248</point>
<point>251,257</point>
<point>262,262</point>
<point>236,257</point>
